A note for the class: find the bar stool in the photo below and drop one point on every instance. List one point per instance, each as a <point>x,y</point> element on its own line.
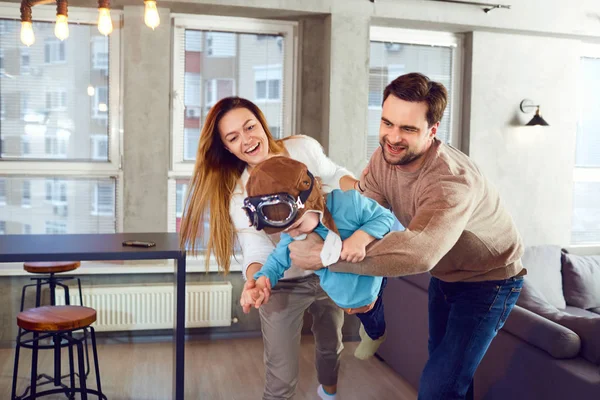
<point>57,322</point>
<point>51,268</point>
<point>47,272</point>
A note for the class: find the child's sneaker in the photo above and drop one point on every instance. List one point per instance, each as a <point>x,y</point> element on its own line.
<point>367,347</point>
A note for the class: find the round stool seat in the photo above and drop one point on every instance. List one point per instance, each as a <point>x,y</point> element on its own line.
<point>51,267</point>
<point>56,318</point>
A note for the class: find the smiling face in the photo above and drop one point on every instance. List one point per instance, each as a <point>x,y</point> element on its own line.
<point>404,133</point>
<point>244,136</point>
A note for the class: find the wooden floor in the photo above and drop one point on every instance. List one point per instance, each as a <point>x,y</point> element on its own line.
<point>216,370</point>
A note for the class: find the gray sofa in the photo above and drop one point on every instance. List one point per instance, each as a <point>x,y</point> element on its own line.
<point>549,347</point>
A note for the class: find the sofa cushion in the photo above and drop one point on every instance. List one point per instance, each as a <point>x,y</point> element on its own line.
<point>580,312</point>
<point>588,329</point>
<point>557,340</point>
<point>581,280</point>
<point>543,264</point>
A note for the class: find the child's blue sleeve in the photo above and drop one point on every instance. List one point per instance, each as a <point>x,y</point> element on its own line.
<point>374,219</point>
<point>278,261</point>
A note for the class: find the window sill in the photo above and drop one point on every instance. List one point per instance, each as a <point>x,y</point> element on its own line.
<point>133,267</point>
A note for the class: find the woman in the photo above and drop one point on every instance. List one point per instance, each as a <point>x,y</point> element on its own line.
<point>235,137</point>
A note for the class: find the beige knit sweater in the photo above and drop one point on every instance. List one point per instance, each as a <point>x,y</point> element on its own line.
<point>456,225</point>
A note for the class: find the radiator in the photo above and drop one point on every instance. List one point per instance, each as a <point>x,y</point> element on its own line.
<point>137,307</point>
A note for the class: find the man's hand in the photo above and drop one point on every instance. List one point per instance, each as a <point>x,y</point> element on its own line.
<point>306,254</point>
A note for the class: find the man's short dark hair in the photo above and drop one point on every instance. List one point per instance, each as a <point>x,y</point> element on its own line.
<point>415,87</point>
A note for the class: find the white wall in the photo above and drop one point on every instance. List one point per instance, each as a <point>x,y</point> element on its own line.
<point>531,166</point>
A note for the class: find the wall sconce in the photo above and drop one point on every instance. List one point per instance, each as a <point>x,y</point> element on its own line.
<point>61,29</point>
<point>537,119</point>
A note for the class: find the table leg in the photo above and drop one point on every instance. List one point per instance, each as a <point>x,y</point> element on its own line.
<point>179,332</point>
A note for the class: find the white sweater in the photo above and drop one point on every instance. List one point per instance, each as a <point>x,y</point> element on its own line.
<point>257,245</point>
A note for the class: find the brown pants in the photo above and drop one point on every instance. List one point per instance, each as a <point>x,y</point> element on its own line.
<point>281,322</point>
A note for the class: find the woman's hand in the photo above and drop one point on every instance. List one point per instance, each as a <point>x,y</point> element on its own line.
<point>253,295</point>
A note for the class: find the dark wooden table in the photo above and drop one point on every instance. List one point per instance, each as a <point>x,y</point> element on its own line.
<point>98,247</point>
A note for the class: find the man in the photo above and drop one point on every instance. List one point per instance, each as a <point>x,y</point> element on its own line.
<point>456,228</point>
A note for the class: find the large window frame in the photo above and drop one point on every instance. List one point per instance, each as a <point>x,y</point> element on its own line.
<point>180,169</point>
<point>433,38</point>
<point>81,169</point>
<point>581,173</point>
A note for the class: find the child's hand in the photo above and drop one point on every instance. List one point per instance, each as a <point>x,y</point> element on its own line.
<point>354,248</point>
<point>253,295</point>
<point>264,286</point>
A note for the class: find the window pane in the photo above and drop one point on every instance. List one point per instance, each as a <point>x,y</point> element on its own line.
<point>58,204</point>
<point>586,213</point>
<point>390,60</point>
<point>588,132</point>
<point>54,94</point>
<point>222,64</point>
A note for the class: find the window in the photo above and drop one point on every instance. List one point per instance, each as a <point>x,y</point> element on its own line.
<point>103,200</point>
<point>25,60</point>
<point>56,227</point>
<point>56,191</point>
<point>221,44</point>
<point>54,51</point>
<point>180,194</point>
<point>217,89</point>
<point>100,106</point>
<point>1,60</point>
<point>395,52</point>
<point>192,95</point>
<point>25,111</point>
<point>2,191</point>
<point>217,57</point>
<point>267,80</point>
<point>55,146</point>
<point>2,227</point>
<point>2,108</point>
<point>26,194</point>
<point>100,53</point>
<point>99,147</point>
<point>191,136</point>
<point>49,161</point>
<point>56,101</point>
<point>586,190</point>
<point>210,65</point>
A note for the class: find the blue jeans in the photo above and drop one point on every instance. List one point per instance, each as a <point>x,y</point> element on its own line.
<point>374,321</point>
<point>464,317</point>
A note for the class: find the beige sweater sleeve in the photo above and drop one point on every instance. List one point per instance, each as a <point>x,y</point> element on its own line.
<point>443,211</point>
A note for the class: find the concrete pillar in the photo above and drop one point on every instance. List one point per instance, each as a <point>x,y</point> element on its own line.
<point>146,85</point>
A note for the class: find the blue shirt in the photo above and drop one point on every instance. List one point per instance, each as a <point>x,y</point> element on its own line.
<point>351,211</point>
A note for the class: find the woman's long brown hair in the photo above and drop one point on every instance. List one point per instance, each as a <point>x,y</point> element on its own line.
<point>216,174</point>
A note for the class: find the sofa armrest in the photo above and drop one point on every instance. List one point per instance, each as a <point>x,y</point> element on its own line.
<point>555,339</point>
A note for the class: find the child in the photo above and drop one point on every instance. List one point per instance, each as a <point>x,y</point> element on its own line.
<point>284,196</point>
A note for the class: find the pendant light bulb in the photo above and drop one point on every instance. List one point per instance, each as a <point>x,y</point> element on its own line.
<point>105,25</point>
<point>61,28</point>
<point>27,36</point>
<point>151,17</point>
